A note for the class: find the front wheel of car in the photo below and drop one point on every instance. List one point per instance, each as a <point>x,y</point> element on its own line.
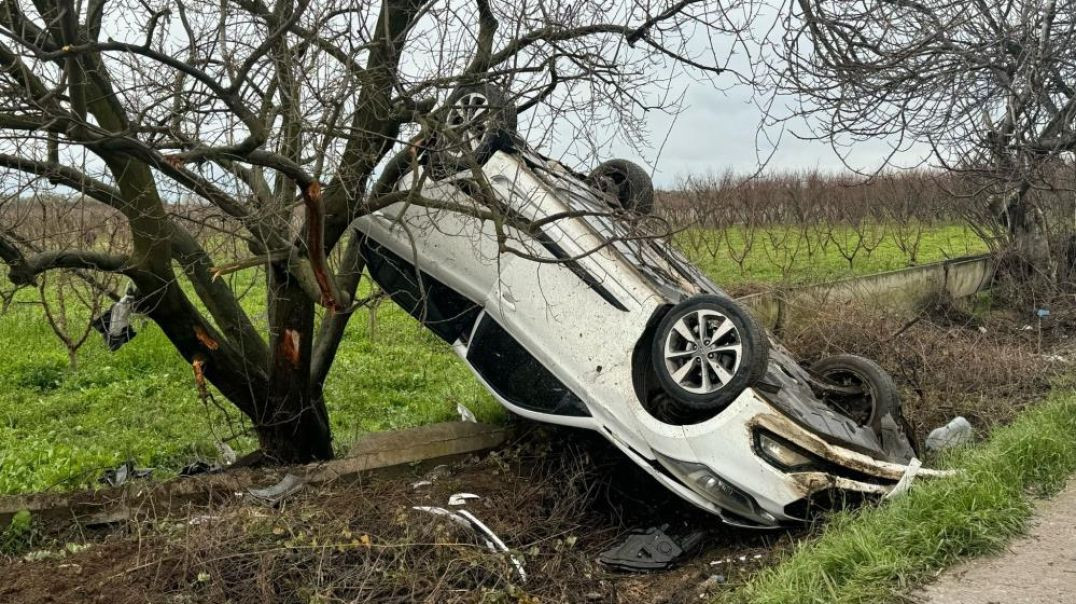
<point>626,183</point>
<point>706,351</point>
<point>877,396</point>
<point>876,405</point>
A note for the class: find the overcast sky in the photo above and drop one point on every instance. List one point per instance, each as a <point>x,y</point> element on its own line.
<point>719,130</point>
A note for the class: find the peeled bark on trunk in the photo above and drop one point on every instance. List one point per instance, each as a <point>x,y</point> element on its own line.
<point>292,423</point>
<point>286,409</point>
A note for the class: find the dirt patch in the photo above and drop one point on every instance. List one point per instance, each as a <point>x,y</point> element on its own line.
<point>556,497</point>
<point>951,359</point>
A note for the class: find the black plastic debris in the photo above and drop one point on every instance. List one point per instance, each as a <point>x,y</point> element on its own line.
<point>115,323</point>
<point>125,472</point>
<point>651,549</point>
<point>199,467</point>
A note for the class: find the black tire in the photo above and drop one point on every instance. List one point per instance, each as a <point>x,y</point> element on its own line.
<point>468,141</point>
<point>628,183</point>
<point>671,351</point>
<point>880,395</point>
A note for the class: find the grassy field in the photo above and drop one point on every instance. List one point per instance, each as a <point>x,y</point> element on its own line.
<point>60,428</point>
<point>775,254</point>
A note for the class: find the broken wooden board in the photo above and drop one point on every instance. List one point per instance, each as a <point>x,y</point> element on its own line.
<point>378,453</point>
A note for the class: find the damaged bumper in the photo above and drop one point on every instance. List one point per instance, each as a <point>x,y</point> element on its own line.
<point>757,468</point>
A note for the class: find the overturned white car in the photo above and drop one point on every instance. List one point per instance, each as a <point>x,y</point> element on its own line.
<point>591,324</point>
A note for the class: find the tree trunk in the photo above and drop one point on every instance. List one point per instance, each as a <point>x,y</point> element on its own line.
<point>293,424</point>
<point>286,409</point>
<point>299,430</point>
<point>1030,238</point>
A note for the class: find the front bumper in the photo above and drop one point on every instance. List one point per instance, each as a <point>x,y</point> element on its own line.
<point>727,446</point>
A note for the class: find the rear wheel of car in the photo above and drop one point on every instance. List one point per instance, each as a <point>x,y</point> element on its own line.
<point>627,183</point>
<point>478,121</point>
<point>879,392</point>
<point>706,351</point>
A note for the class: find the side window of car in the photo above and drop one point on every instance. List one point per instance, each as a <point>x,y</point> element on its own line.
<point>439,307</point>
<point>516,375</point>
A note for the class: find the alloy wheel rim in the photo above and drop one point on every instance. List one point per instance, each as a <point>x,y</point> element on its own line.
<point>703,351</point>
<point>467,119</point>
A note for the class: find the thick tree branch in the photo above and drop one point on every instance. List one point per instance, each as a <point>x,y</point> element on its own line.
<point>24,270</point>
<point>333,324</point>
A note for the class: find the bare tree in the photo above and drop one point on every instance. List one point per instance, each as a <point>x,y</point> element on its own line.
<point>273,126</point>
<point>987,86</point>
<point>69,300</point>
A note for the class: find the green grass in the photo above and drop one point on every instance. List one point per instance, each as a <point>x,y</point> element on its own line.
<point>876,554</point>
<point>736,256</point>
<point>61,428</point>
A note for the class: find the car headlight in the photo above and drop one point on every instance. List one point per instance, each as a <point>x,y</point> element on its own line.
<point>783,454</point>
<point>707,483</point>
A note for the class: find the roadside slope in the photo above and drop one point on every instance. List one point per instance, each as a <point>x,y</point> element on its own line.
<point>880,554</point>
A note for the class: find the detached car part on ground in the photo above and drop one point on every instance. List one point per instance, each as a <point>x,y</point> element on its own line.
<point>597,326</point>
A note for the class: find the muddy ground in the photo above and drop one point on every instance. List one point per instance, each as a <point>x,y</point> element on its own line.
<point>557,497</point>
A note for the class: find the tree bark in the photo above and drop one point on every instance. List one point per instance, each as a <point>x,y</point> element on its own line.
<point>1029,236</point>
<point>292,424</point>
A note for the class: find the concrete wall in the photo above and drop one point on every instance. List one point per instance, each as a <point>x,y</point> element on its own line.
<point>900,290</point>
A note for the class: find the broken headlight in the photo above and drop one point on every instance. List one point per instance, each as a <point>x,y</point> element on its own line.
<point>705,482</point>
<point>782,454</point>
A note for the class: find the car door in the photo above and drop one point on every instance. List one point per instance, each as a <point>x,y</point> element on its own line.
<point>518,378</point>
<point>565,308</point>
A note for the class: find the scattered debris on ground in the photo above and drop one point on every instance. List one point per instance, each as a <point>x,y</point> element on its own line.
<point>954,434</point>
<point>651,549</point>
<point>120,475</point>
<point>275,494</point>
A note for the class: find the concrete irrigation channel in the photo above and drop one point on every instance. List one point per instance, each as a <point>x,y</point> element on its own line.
<point>903,290</point>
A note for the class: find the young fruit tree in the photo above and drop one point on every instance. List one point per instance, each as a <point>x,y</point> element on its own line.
<point>240,134</point>
<point>987,87</point>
